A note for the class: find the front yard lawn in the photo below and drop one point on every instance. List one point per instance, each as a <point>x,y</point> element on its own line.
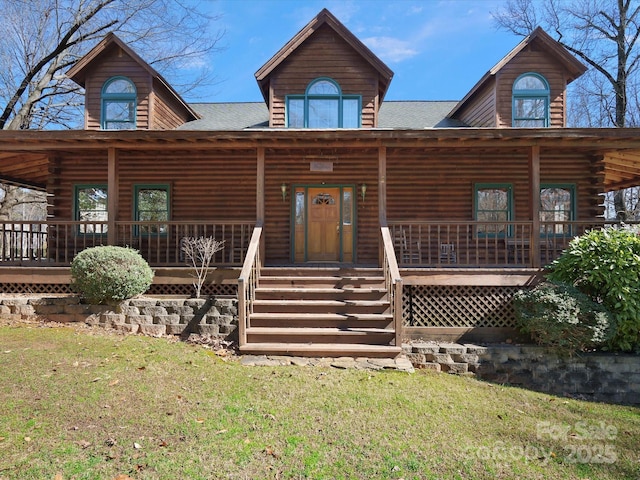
<point>79,403</point>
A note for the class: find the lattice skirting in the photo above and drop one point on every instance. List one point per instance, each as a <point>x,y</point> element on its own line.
<point>458,306</point>
<point>165,289</point>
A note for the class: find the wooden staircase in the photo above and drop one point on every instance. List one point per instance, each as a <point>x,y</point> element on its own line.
<point>321,312</point>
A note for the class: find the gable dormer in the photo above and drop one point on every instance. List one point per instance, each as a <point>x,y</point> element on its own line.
<point>527,88</point>
<point>123,92</point>
<point>324,77</point>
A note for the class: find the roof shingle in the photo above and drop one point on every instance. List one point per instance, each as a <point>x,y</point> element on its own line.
<point>406,115</point>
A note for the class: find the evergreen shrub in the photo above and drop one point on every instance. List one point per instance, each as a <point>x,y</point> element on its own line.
<point>561,317</point>
<point>110,274</point>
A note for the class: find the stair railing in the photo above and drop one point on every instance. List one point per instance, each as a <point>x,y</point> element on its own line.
<point>247,283</point>
<point>393,281</point>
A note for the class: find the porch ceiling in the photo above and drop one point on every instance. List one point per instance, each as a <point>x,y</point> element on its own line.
<point>24,169</point>
<point>621,169</point>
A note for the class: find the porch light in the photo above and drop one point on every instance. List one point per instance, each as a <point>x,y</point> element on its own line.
<point>283,190</point>
<point>363,190</point>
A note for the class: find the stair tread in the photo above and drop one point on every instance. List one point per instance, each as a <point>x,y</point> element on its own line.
<point>328,290</point>
<point>363,303</point>
<point>326,349</point>
<point>328,269</point>
<point>322,277</point>
<point>315,330</point>
<point>328,278</point>
<point>311,316</point>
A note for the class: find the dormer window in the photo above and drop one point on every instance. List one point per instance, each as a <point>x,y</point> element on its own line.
<point>323,106</point>
<point>119,101</point>
<point>530,101</point>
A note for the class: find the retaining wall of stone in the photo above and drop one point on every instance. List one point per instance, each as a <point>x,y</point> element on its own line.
<point>151,316</point>
<point>607,377</point>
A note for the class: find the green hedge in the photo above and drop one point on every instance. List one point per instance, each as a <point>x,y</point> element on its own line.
<point>561,317</point>
<point>605,264</point>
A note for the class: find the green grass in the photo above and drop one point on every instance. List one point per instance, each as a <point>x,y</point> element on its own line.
<point>86,404</point>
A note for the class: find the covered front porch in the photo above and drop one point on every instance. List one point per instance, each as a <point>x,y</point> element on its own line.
<point>423,244</point>
<point>437,280</point>
<point>445,226</point>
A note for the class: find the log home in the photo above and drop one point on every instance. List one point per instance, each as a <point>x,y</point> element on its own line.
<point>349,221</point>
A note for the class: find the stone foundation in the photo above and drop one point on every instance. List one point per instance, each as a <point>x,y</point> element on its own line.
<point>213,316</point>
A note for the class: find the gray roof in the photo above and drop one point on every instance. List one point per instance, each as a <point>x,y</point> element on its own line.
<point>417,115</point>
<point>410,115</point>
<point>228,116</point>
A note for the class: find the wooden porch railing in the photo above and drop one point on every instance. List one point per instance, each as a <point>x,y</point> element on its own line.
<point>393,281</point>
<point>160,243</point>
<point>247,284</point>
<point>483,244</point>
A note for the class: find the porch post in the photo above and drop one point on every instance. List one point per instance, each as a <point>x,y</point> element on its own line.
<point>260,196</point>
<point>382,185</point>
<point>534,209</point>
<point>382,196</point>
<point>112,194</point>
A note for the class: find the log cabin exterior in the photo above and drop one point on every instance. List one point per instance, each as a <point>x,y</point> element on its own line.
<point>421,218</point>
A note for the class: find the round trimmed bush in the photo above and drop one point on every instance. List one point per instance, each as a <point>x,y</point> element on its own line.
<point>110,274</point>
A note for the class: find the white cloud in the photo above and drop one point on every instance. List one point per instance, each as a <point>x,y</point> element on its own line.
<point>390,49</point>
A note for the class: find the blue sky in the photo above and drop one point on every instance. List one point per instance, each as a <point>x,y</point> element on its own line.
<point>437,49</point>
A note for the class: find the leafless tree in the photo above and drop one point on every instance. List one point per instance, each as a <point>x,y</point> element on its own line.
<point>199,252</point>
<point>42,39</point>
<point>18,203</point>
<point>604,35</point>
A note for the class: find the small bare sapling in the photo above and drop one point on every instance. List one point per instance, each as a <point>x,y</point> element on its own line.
<point>198,253</point>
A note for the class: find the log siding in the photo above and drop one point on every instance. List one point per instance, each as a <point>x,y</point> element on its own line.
<point>422,184</point>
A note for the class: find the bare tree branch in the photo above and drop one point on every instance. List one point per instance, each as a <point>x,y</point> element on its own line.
<point>59,49</point>
<point>604,34</point>
<point>42,38</point>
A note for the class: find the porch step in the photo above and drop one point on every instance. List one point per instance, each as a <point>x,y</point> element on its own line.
<point>321,306</point>
<point>321,281</point>
<point>322,320</point>
<point>369,336</point>
<point>303,271</point>
<point>323,349</point>
<point>309,293</point>
<point>321,312</point>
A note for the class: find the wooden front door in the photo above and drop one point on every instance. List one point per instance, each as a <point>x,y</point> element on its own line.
<point>324,223</point>
<point>323,228</point>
